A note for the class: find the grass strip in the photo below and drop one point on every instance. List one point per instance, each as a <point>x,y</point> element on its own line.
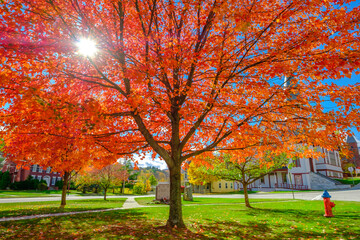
<point>32,208</point>
<point>268,220</point>
<point>203,200</point>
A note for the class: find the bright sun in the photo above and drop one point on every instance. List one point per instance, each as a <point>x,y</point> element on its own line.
<point>87,47</point>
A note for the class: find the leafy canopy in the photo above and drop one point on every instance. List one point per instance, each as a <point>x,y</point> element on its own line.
<point>179,78</point>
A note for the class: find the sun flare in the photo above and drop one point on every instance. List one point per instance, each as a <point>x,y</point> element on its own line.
<point>87,47</point>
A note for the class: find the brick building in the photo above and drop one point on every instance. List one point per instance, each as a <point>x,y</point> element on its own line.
<point>36,171</point>
<point>354,146</point>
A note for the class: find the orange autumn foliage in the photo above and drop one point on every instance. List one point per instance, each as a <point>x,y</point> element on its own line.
<point>182,78</point>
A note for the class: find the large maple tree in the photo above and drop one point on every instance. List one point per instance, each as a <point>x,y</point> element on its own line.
<point>181,78</point>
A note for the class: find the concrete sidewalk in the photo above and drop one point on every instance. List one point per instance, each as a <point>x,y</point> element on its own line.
<point>68,197</point>
<point>131,203</point>
<point>128,204</point>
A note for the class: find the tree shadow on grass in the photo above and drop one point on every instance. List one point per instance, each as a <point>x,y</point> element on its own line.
<point>135,224</point>
<point>72,206</point>
<point>44,210</point>
<point>125,224</point>
<point>261,230</point>
<point>303,213</point>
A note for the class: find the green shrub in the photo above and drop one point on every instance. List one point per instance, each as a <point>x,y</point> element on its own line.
<point>129,185</point>
<point>42,186</point>
<point>95,188</point>
<point>139,188</point>
<point>59,184</point>
<point>72,185</point>
<point>83,188</point>
<point>29,184</point>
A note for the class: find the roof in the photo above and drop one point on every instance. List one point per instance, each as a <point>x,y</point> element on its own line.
<point>352,139</point>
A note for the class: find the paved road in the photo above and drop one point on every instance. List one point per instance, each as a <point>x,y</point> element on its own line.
<point>339,195</point>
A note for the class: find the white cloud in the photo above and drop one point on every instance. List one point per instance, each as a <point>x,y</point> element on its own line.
<point>149,161</point>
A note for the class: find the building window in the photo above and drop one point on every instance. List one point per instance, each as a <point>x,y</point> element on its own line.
<point>297,162</point>
<point>53,181</point>
<point>332,158</point>
<point>39,169</point>
<point>59,178</point>
<point>34,167</point>
<point>33,176</point>
<point>226,186</point>
<point>231,186</point>
<point>39,177</point>
<point>48,170</point>
<point>283,177</point>
<point>220,185</point>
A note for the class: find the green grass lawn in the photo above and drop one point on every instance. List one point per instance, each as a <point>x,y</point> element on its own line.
<point>50,193</point>
<point>149,200</point>
<point>27,193</point>
<point>268,220</point>
<point>32,208</point>
<point>349,180</point>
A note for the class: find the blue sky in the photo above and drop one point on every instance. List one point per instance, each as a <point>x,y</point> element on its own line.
<point>327,105</point>
<point>354,78</point>
<point>344,82</point>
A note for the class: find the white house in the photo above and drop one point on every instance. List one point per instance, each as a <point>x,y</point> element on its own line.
<point>305,174</point>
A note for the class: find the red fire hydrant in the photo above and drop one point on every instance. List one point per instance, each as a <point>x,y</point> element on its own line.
<point>328,205</point>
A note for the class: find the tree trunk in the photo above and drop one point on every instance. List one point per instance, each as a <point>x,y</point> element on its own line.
<point>246,196</point>
<point>64,189</point>
<point>123,187</point>
<point>105,190</point>
<point>175,214</point>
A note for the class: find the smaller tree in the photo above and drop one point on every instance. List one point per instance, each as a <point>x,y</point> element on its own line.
<point>346,166</point>
<point>109,176</point>
<point>153,181</point>
<point>199,174</point>
<point>105,177</point>
<point>147,186</point>
<point>243,168</point>
<point>127,174</point>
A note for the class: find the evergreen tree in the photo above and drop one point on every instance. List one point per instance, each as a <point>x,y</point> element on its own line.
<point>5,180</point>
